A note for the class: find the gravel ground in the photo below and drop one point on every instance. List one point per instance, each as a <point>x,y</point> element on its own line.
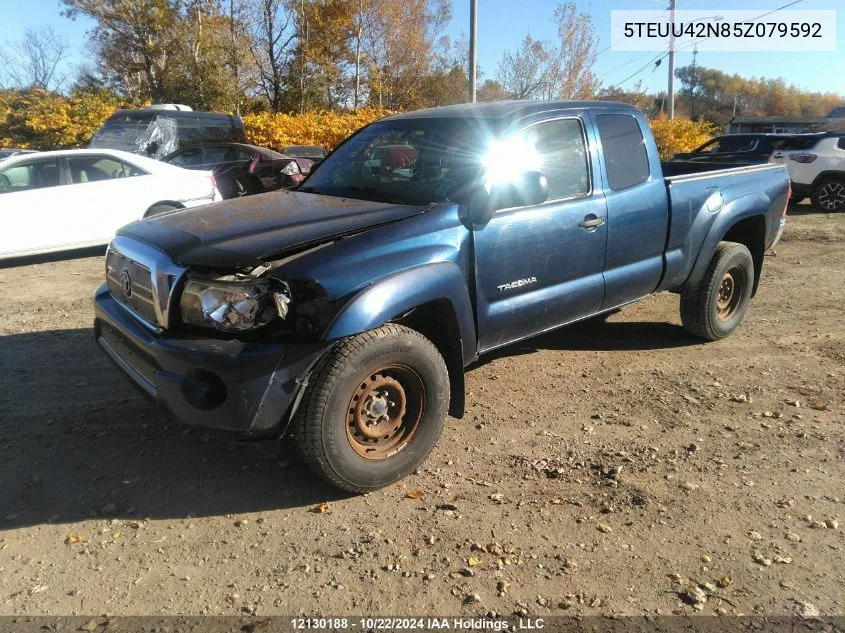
<point>601,469</point>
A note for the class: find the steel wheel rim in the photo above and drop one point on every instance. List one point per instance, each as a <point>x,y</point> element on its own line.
<point>832,196</point>
<point>385,412</point>
<point>730,292</point>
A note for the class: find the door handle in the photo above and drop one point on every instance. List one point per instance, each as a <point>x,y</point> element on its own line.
<point>591,224</point>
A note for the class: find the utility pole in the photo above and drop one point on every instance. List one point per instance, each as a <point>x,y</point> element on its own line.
<point>473,48</point>
<point>671,89</point>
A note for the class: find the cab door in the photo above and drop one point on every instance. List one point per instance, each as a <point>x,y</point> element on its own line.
<point>30,213</point>
<point>104,194</point>
<point>541,266</point>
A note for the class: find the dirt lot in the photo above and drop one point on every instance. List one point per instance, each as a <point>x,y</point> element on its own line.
<point>593,464</point>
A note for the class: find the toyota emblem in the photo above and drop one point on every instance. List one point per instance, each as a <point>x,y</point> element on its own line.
<point>126,282</point>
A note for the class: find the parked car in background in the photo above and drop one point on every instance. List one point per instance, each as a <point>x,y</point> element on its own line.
<point>65,200</point>
<point>159,130</point>
<point>736,148</point>
<point>242,169</point>
<point>816,164</point>
<point>345,311</point>
<point>9,152</point>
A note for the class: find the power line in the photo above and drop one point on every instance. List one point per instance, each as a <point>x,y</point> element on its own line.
<point>696,41</point>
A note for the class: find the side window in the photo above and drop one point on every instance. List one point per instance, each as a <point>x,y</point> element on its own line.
<point>187,157</point>
<point>96,168</point>
<point>623,147</point>
<point>561,156</point>
<point>218,154</point>
<point>31,175</point>
<point>841,143</point>
<point>244,155</point>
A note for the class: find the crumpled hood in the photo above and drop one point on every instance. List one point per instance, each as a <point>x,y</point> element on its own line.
<point>248,231</point>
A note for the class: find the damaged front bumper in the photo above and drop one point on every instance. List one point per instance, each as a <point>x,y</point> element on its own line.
<point>249,388</point>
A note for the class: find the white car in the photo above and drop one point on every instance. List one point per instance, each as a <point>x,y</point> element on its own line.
<point>71,199</point>
<point>816,164</point>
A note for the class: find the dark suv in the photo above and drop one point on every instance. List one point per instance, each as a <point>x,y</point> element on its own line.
<point>157,131</point>
<point>736,148</point>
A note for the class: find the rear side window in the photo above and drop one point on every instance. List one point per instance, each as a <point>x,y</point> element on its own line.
<point>95,168</point>
<point>624,150</point>
<point>841,143</point>
<point>219,154</point>
<point>800,142</point>
<point>27,176</point>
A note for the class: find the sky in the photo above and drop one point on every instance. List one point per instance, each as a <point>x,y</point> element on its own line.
<point>503,23</point>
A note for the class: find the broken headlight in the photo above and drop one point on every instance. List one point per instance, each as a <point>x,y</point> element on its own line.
<point>233,306</point>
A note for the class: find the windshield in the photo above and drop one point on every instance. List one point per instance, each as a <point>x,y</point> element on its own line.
<point>406,161</point>
<point>122,131</point>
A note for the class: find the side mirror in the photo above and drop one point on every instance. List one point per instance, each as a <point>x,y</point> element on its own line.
<point>529,189</point>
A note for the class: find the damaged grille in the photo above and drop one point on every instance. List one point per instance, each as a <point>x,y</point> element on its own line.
<point>131,284</point>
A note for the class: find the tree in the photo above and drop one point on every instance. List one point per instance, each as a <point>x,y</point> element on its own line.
<point>135,40</point>
<point>525,74</point>
<point>272,48</point>
<point>637,97</point>
<point>36,60</point>
<point>546,70</point>
<point>398,41</point>
<point>572,74</point>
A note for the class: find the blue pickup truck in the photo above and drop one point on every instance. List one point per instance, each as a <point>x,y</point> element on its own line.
<point>345,312</point>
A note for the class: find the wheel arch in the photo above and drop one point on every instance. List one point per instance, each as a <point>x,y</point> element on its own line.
<point>172,203</point>
<point>748,230</point>
<point>432,299</point>
<point>830,173</point>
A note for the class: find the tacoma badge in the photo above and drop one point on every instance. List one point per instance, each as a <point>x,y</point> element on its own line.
<point>519,283</point>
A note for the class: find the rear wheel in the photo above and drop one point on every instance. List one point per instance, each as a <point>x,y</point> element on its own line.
<point>374,408</point>
<point>829,195</point>
<point>714,307</point>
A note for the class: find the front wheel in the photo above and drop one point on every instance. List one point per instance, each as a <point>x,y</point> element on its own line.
<point>829,195</point>
<point>714,307</point>
<point>374,408</point>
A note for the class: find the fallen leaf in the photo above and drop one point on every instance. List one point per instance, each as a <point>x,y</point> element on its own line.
<point>819,406</point>
<point>604,529</point>
<point>724,581</point>
<point>91,625</point>
<point>74,538</point>
<point>416,495</point>
<point>320,509</point>
<point>474,561</point>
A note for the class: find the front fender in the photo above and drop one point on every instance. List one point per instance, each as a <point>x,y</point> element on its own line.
<point>396,294</point>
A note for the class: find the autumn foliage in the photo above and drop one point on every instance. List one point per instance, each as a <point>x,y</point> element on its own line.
<point>680,135</point>
<point>325,129</point>
<point>42,120</point>
<point>37,119</point>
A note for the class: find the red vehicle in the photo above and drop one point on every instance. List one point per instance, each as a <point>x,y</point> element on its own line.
<point>241,169</point>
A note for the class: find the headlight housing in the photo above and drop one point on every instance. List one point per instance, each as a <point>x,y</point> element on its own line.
<point>233,306</point>
<point>291,169</point>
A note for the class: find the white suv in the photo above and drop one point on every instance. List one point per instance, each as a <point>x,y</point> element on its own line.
<point>816,164</point>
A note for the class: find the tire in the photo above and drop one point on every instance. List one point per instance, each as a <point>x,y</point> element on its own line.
<point>157,209</point>
<point>357,379</point>
<point>829,195</point>
<point>714,307</point>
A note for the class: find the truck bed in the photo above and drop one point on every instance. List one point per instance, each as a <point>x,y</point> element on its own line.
<point>689,186</point>
<point>688,167</point>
